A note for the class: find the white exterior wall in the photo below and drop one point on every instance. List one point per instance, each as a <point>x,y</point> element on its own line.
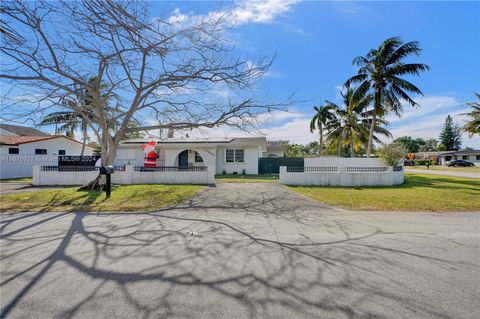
<point>250,164</point>
<point>343,161</point>
<point>208,155</point>
<point>212,152</point>
<point>341,177</point>
<point>16,166</point>
<point>127,177</point>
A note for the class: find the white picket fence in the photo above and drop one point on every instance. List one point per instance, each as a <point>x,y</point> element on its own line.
<point>51,175</point>
<point>335,171</point>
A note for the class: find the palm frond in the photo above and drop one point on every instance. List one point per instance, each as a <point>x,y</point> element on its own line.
<point>406,49</point>
<point>355,79</point>
<point>407,69</point>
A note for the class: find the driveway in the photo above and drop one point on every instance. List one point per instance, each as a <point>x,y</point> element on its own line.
<point>13,187</point>
<point>21,187</point>
<point>257,251</point>
<point>447,173</point>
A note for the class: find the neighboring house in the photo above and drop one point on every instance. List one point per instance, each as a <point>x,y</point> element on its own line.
<point>472,156</point>
<point>229,155</point>
<point>432,156</point>
<point>275,149</point>
<point>20,152</point>
<point>15,130</point>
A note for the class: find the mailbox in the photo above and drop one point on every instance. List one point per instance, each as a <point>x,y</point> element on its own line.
<point>107,170</point>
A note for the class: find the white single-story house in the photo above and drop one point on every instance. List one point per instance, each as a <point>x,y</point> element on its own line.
<point>471,156</point>
<point>18,153</point>
<point>229,155</point>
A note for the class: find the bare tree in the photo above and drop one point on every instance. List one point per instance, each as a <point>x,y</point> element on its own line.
<point>156,72</point>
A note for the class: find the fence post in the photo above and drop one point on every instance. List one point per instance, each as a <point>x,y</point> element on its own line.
<point>36,175</point>
<point>283,175</point>
<point>210,174</point>
<point>129,171</point>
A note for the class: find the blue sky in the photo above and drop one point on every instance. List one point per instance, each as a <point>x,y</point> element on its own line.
<point>315,43</point>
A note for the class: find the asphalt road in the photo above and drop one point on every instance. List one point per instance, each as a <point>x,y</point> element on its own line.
<point>260,251</point>
<point>446,173</point>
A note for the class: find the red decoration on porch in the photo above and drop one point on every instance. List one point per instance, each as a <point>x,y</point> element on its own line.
<point>150,159</point>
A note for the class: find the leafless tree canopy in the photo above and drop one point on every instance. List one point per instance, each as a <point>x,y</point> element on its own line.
<point>113,63</point>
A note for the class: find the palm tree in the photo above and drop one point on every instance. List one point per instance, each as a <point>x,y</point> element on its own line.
<point>351,124</point>
<point>380,71</point>
<point>71,121</point>
<point>323,115</point>
<point>473,126</point>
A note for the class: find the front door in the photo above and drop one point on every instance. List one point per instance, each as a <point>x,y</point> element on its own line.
<point>183,159</point>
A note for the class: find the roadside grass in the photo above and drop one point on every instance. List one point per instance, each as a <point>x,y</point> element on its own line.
<point>13,180</point>
<point>123,198</point>
<point>420,192</point>
<point>475,169</point>
<point>247,178</point>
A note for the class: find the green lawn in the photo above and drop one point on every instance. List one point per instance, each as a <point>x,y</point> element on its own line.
<point>247,178</point>
<point>418,193</point>
<point>124,198</point>
<point>475,169</point>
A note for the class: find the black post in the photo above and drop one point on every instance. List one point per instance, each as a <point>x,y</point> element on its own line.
<point>108,186</point>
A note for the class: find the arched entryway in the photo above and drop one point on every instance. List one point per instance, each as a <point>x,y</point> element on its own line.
<point>189,158</point>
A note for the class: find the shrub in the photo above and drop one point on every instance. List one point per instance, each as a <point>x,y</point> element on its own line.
<point>391,154</point>
<point>423,162</point>
<point>243,171</point>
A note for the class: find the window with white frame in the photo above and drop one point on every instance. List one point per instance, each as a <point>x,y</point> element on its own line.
<point>235,156</point>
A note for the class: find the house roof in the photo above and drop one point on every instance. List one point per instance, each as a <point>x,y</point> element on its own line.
<point>17,140</point>
<point>198,142</point>
<point>23,130</point>
<point>472,152</point>
<point>194,140</point>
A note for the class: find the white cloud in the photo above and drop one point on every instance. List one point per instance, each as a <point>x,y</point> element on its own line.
<point>177,17</point>
<point>349,8</point>
<point>428,105</point>
<point>427,121</point>
<point>261,11</point>
<point>295,131</point>
<point>243,12</point>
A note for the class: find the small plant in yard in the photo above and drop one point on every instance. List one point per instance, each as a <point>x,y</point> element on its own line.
<point>426,163</point>
<point>391,154</point>
<point>243,171</point>
<point>224,172</point>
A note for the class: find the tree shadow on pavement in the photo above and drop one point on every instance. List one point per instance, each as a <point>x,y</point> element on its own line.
<point>243,260</point>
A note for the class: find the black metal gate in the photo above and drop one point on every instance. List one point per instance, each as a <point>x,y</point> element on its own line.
<point>271,165</point>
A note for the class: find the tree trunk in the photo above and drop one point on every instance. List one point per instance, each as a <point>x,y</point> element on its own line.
<point>320,146</point>
<point>352,149</point>
<point>84,133</point>
<point>372,125</point>
<point>107,158</point>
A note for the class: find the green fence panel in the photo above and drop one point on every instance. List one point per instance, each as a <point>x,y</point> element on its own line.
<point>271,165</point>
